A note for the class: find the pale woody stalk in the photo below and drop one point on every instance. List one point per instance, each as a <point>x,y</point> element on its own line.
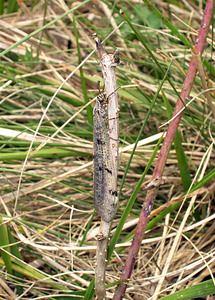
<point>106,160</point>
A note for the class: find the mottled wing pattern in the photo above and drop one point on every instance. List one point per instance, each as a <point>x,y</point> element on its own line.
<point>103,196</point>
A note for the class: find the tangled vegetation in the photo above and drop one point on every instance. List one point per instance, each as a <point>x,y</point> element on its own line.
<point>49,81</point>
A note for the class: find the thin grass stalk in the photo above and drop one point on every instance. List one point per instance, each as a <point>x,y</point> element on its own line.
<point>1,7</point>
<point>142,129</point>
<point>47,25</point>
<point>82,77</point>
<point>160,164</point>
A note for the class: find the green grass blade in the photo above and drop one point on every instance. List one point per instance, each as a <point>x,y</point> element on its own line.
<point>169,24</point>
<point>88,227</point>
<point>82,77</point>
<point>1,7</point>
<point>145,43</point>
<point>204,180</point>
<point>209,67</point>
<point>177,33</point>
<point>14,247</point>
<point>180,154</point>
<point>202,289</point>
<point>182,161</point>
<point>31,272</point>
<point>208,177</point>
<point>142,128</point>
<point>89,294</point>
<point>47,25</point>
<point>131,202</point>
<point>12,6</point>
<point>44,153</point>
<point>15,252</point>
<point>5,249</point>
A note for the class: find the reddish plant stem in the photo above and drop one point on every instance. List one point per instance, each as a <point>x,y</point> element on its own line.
<point>160,164</point>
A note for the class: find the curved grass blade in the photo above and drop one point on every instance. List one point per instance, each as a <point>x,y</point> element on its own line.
<point>131,202</point>
<point>168,24</point>
<point>144,42</point>
<point>180,154</point>
<point>44,153</point>
<point>200,290</point>
<point>173,207</point>
<point>31,272</point>
<point>15,252</point>
<point>4,246</point>
<point>89,294</point>
<point>142,128</point>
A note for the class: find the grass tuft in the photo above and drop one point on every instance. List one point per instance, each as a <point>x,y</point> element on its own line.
<point>48,224</point>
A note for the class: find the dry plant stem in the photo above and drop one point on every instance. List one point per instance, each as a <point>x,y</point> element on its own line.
<point>158,171</point>
<point>101,254</point>
<point>106,136</point>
